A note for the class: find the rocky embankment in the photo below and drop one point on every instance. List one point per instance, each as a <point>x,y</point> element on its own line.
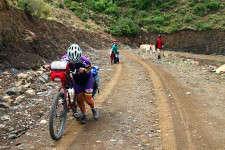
<point>20,103</point>
<point>27,42</point>
<point>26,97</point>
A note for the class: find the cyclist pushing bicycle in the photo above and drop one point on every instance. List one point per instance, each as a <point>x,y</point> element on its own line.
<point>83,80</point>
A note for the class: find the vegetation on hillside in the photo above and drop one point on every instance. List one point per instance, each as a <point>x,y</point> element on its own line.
<point>38,8</point>
<point>129,17</point>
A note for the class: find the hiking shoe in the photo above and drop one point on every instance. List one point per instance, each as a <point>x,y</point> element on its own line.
<point>83,119</point>
<point>76,115</point>
<point>159,56</point>
<point>95,113</point>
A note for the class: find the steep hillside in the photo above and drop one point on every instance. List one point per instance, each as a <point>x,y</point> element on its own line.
<point>196,26</point>
<point>129,17</point>
<point>27,42</point>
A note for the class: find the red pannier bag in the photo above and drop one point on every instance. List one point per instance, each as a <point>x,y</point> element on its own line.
<point>59,70</point>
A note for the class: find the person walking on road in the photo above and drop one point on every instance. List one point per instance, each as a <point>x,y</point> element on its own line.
<point>159,46</point>
<point>114,55</point>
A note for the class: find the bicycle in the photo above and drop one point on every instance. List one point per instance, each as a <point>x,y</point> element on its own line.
<point>62,102</point>
<point>66,99</point>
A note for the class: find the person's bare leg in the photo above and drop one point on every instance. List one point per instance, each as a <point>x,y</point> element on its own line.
<point>90,101</point>
<point>80,102</point>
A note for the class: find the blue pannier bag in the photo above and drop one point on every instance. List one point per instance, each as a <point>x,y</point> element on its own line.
<point>94,71</point>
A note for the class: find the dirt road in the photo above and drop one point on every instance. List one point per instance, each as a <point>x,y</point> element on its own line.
<point>129,118</point>
<point>147,109</point>
<point>143,106</point>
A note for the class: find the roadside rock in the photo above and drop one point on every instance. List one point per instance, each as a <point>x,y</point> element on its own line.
<point>12,136</point>
<point>19,99</point>
<point>11,129</point>
<point>1,99</point>
<point>14,71</point>
<point>22,75</point>
<point>188,93</point>
<point>18,83</point>
<point>44,78</point>
<point>98,141</point>
<point>30,92</point>
<point>5,117</point>
<point>1,72</point>
<point>4,105</point>
<point>221,69</point>
<point>7,98</point>
<point>21,89</point>
<point>12,91</point>
<point>2,126</point>
<point>212,68</point>
<point>5,73</point>
<point>40,72</point>
<point>43,121</point>
<point>16,90</point>
<point>4,147</point>
<point>194,62</point>
<point>27,85</point>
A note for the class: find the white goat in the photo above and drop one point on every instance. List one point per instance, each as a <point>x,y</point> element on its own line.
<point>147,50</point>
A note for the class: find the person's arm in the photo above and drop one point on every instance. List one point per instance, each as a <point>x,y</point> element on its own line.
<point>65,57</point>
<point>86,65</point>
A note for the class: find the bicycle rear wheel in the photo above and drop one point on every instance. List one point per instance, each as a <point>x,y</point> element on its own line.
<point>58,116</point>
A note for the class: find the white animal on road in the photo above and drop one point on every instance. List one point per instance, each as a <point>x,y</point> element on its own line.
<point>148,49</point>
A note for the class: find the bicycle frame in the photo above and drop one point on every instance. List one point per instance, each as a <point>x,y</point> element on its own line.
<point>70,105</point>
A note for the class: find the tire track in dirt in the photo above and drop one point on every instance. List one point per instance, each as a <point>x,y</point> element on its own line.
<point>188,117</point>
<point>185,126</point>
<point>129,117</point>
<point>72,127</point>
<point>165,116</point>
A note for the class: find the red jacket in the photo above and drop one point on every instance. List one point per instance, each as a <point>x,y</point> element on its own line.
<point>159,43</point>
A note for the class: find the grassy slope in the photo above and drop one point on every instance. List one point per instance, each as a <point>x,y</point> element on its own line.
<point>169,16</point>
<point>128,17</point>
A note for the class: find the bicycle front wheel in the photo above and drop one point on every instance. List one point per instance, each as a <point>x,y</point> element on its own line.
<point>58,116</point>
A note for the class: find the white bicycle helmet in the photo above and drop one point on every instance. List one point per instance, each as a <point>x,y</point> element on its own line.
<point>74,52</point>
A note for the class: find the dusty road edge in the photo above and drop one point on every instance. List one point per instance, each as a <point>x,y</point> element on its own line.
<point>72,127</point>
<point>165,116</point>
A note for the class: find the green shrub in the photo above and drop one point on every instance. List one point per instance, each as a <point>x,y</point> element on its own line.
<point>130,12</point>
<point>100,5</point>
<point>203,26</point>
<point>112,9</point>
<point>200,9</point>
<point>142,4</point>
<point>146,20</point>
<point>124,26</point>
<point>143,13</point>
<point>156,12</point>
<point>61,5</point>
<point>74,6</point>
<point>67,2</point>
<point>167,4</point>
<point>84,16</point>
<point>35,7</point>
<point>213,5</point>
<point>174,26</point>
<point>154,28</point>
<point>55,3</point>
<point>183,11</point>
<point>87,26</point>
<point>22,3</point>
<point>158,20</point>
<point>188,18</point>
